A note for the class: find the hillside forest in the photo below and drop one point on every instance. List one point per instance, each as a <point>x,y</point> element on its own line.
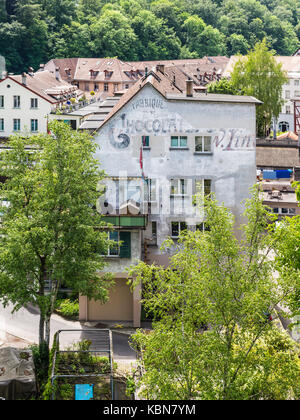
<point>34,31</point>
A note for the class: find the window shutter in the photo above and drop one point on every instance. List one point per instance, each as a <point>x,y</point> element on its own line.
<point>125,248</point>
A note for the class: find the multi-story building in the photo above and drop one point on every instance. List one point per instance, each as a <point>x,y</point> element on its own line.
<point>160,146</point>
<point>105,76</point>
<point>26,100</point>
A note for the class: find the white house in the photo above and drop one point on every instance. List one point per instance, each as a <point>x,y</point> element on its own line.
<point>26,101</point>
<point>160,146</point>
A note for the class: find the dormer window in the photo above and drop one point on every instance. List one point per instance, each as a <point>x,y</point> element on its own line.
<point>107,74</point>
<point>93,73</point>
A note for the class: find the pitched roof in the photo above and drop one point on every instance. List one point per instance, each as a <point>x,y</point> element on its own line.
<point>169,90</point>
<point>105,69</point>
<point>63,64</point>
<point>121,71</point>
<point>44,84</point>
<point>217,61</point>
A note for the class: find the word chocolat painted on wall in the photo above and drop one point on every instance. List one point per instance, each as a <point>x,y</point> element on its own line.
<point>121,131</point>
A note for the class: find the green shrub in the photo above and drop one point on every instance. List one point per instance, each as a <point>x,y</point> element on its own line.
<point>67,307</point>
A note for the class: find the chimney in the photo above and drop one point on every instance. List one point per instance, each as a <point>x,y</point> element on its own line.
<point>57,77</point>
<point>146,71</point>
<point>24,79</point>
<point>189,88</point>
<point>161,68</point>
<point>30,71</point>
<point>42,67</point>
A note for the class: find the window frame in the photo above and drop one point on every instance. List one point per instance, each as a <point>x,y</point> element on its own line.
<point>35,102</point>
<point>1,124</point>
<point>108,254</point>
<point>19,124</point>
<point>180,229</point>
<point>145,140</point>
<point>203,137</point>
<point>1,101</point>
<point>179,138</point>
<point>181,187</point>
<point>17,98</point>
<point>34,121</point>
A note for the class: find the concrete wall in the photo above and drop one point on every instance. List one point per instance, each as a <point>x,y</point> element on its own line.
<point>9,89</point>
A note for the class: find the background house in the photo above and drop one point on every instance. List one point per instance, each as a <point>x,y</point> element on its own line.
<point>106,76</point>
<point>27,100</point>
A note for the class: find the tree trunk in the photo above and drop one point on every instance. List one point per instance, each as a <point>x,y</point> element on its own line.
<point>47,330</point>
<point>42,329</point>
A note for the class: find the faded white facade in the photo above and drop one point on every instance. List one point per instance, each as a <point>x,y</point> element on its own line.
<point>229,163</point>
<point>158,151</point>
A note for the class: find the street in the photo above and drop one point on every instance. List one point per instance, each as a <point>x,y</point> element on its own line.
<point>25,323</point>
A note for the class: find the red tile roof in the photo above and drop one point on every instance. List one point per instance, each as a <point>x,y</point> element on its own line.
<point>44,84</point>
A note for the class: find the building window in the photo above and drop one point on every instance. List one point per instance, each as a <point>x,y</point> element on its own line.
<point>154,230</point>
<point>96,87</point>
<point>126,86</point>
<point>203,187</point>
<point>179,141</point>
<point>296,82</point>
<point>284,210</point>
<point>287,94</point>
<point>34,125</point>
<point>177,228</point>
<point>288,109</point>
<point>86,87</point>
<point>297,93</point>
<point>17,101</point>
<point>17,124</point>
<point>145,141</point>
<point>178,187</point>
<point>33,103</point>
<point>202,227</point>
<point>203,144</point>
<point>116,87</point>
<point>114,248</point>
<point>105,87</point>
<point>1,124</point>
<point>283,126</point>
<point>1,101</point>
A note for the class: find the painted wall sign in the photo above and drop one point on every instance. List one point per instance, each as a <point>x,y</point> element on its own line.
<point>149,116</point>
<point>148,103</point>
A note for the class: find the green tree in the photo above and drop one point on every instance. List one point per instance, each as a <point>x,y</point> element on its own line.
<point>224,86</point>
<point>203,39</point>
<point>113,36</point>
<point>154,39</point>
<point>212,338</point>
<point>259,75</point>
<point>50,229</point>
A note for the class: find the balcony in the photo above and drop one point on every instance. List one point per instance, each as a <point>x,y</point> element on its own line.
<point>128,222</point>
